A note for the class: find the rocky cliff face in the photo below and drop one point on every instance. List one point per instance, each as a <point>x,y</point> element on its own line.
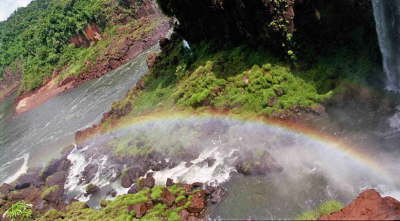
<point>90,34</point>
<point>267,22</point>
<point>369,205</point>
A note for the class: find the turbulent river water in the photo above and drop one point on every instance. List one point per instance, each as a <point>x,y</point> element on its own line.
<point>314,169</point>
<point>34,137</point>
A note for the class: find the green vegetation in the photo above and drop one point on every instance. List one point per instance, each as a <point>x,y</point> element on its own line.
<point>19,211</point>
<point>324,209</point>
<point>38,36</point>
<point>49,190</point>
<point>117,209</point>
<point>242,80</point>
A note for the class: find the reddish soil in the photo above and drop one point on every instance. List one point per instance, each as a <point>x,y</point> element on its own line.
<point>369,205</point>
<point>49,90</point>
<point>131,48</point>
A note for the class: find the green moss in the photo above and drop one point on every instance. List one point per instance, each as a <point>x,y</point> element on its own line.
<point>156,192</point>
<point>49,190</point>
<point>117,209</point>
<point>324,209</point>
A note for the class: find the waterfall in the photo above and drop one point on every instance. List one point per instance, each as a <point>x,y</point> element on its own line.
<point>387,19</point>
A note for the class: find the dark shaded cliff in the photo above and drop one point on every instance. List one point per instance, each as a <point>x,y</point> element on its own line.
<point>274,23</point>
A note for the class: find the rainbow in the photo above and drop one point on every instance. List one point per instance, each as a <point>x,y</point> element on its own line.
<point>350,150</point>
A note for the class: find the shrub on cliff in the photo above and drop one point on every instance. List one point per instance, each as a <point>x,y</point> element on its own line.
<point>19,211</point>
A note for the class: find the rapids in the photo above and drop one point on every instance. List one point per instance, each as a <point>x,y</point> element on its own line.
<point>314,170</point>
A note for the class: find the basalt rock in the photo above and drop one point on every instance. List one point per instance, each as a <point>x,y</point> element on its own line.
<point>257,162</point>
<point>32,178</point>
<point>260,22</point>
<point>129,176</point>
<point>92,189</point>
<point>89,173</point>
<point>133,189</point>
<point>197,203</point>
<point>147,182</point>
<point>167,197</point>
<point>58,178</point>
<point>369,205</point>
<point>140,209</point>
<point>169,182</point>
<point>55,166</point>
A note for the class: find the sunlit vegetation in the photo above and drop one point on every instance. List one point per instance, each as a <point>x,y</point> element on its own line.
<point>19,211</point>
<point>242,80</point>
<point>324,209</point>
<point>117,209</point>
<point>39,35</point>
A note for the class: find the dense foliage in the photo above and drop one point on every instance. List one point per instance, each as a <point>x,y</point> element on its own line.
<point>39,34</point>
<point>242,80</point>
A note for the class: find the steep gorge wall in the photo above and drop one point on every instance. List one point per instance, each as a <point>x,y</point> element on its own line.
<point>267,22</point>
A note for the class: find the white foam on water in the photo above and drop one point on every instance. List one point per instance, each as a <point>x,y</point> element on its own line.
<point>22,170</point>
<point>78,164</point>
<point>199,171</point>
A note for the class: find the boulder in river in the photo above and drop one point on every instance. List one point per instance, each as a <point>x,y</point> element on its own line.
<point>257,162</point>
<point>147,182</point>
<point>92,189</point>
<point>89,173</point>
<point>129,176</point>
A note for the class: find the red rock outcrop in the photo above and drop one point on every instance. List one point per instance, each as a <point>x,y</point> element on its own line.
<point>369,205</point>
<point>91,33</point>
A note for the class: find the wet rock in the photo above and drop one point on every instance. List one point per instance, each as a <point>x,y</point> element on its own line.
<point>140,209</point>
<point>167,197</point>
<point>369,205</point>
<point>53,194</point>
<point>147,182</point>
<point>209,190</point>
<point>209,162</point>
<point>22,186</point>
<point>92,189</point>
<point>88,173</point>
<point>188,164</point>
<point>184,214</point>
<point>55,166</point>
<point>257,162</point>
<point>170,182</point>
<point>129,176</point>
<point>133,189</point>
<point>32,178</point>
<point>197,185</point>
<point>217,195</point>
<point>6,188</point>
<point>186,187</point>
<point>112,193</point>
<point>58,178</point>
<point>103,203</point>
<point>198,202</point>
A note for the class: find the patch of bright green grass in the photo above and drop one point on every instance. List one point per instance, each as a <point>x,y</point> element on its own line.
<point>324,209</point>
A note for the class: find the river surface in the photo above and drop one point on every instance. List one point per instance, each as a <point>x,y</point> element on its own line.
<point>33,138</point>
